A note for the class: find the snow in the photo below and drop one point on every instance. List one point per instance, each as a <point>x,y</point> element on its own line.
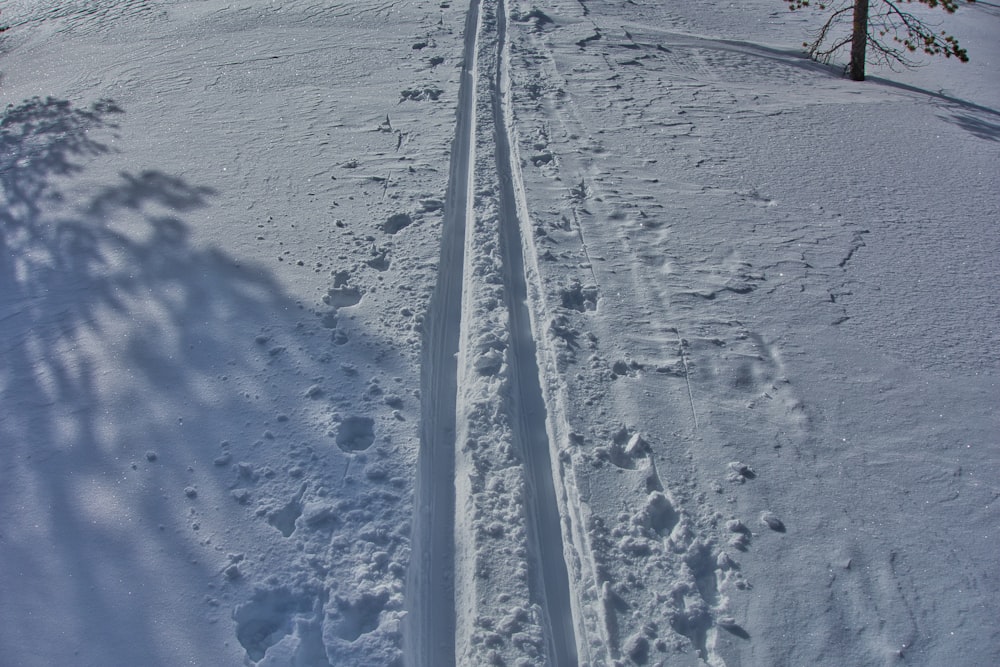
<point>502,332</point>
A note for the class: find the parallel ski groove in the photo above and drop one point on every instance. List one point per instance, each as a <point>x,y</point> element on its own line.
<point>430,627</point>
<point>551,578</point>
<point>442,532</point>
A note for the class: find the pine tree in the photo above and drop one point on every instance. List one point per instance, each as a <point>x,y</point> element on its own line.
<point>881,31</point>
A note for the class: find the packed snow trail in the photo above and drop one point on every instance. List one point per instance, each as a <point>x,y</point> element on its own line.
<point>485,469</point>
<point>529,410</point>
<point>430,633</point>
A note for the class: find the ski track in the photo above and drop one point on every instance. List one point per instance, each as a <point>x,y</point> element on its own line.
<point>609,434</point>
<point>455,568</point>
<point>616,628</point>
<point>430,635</point>
<point>530,411</point>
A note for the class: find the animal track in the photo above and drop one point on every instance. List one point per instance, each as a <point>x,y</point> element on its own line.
<point>270,616</point>
<point>421,94</point>
<point>396,223</point>
<point>358,616</point>
<point>659,514</point>
<point>579,297</point>
<point>284,518</point>
<point>625,449</point>
<point>356,434</point>
<point>342,297</point>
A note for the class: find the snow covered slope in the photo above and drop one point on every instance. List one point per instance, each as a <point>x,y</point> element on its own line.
<point>493,332</point>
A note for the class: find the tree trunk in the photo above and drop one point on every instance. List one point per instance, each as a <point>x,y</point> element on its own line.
<point>859,40</point>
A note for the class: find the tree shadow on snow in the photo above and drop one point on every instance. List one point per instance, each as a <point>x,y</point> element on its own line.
<point>979,127</point>
<point>974,118</point>
<point>979,120</point>
<point>967,115</point>
<point>789,57</point>
<point>116,334</point>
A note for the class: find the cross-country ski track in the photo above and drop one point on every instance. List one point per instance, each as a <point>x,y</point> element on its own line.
<point>430,635</point>
<point>514,333</point>
<point>482,276</point>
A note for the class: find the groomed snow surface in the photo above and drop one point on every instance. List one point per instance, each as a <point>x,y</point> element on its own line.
<point>502,332</point>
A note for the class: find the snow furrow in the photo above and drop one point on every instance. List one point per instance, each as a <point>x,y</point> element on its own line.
<point>487,526</point>
<point>430,632</point>
<point>529,410</point>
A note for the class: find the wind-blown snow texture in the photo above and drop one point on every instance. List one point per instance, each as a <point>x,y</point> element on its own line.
<point>501,332</point>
